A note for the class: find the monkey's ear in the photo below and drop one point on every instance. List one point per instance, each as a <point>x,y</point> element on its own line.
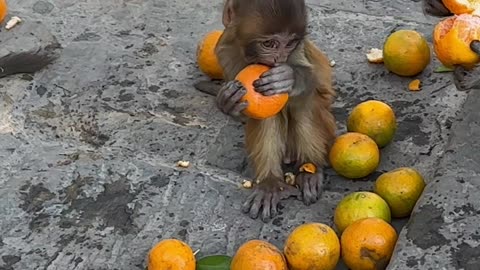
<point>227,13</point>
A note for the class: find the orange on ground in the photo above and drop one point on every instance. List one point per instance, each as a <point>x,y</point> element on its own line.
<point>259,106</point>
<point>463,6</point>
<point>206,58</point>
<point>354,155</point>
<point>171,254</point>
<point>375,119</point>
<point>258,255</point>
<point>400,188</point>
<point>368,244</point>
<point>452,38</point>
<point>359,205</point>
<point>312,246</point>
<point>3,10</point>
<point>406,53</point>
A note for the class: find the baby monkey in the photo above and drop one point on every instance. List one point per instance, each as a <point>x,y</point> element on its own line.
<point>463,79</point>
<point>273,33</point>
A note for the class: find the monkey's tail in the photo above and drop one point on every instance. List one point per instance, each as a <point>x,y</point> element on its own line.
<point>25,62</point>
<point>209,87</point>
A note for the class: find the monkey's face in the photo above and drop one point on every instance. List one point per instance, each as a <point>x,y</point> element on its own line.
<point>271,49</point>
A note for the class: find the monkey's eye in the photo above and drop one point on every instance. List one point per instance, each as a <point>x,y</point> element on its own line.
<point>269,43</point>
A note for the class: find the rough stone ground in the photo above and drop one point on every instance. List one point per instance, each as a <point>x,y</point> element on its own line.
<point>88,146</point>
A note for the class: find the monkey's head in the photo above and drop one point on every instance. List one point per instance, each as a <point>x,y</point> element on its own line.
<point>267,31</point>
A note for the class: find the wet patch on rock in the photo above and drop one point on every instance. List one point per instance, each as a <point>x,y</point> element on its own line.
<point>427,237</point>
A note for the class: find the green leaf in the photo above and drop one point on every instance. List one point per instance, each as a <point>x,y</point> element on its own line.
<point>216,262</point>
<point>441,69</point>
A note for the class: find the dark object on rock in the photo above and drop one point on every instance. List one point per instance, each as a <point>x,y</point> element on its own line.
<point>27,48</point>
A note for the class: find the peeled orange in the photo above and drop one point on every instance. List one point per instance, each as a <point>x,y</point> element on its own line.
<point>463,6</point>
<point>206,58</point>
<point>259,106</point>
<point>452,38</point>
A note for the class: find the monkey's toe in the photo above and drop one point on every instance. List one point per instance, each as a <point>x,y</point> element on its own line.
<point>311,186</point>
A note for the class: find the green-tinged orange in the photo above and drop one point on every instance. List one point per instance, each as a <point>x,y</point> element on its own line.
<point>354,155</point>
<point>358,205</point>
<point>406,53</point>
<point>400,188</point>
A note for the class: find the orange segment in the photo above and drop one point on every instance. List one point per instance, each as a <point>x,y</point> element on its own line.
<point>463,6</point>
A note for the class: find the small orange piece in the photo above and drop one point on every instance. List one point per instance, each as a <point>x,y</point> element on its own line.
<point>3,10</point>
<point>463,6</point>
<point>258,255</point>
<point>171,254</point>
<point>308,167</point>
<point>414,85</point>
<point>206,58</point>
<point>452,38</point>
<point>354,155</point>
<point>259,106</point>
<point>368,244</point>
<point>312,246</point>
<point>406,53</point>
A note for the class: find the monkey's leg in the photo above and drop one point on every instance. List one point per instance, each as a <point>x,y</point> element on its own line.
<point>312,129</point>
<point>265,143</point>
<point>468,79</point>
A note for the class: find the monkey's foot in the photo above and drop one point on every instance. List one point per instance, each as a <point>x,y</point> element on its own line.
<point>266,196</point>
<point>311,185</point>
<point>466,79</point>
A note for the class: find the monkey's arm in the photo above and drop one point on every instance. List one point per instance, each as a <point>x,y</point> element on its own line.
<point>23,63</point>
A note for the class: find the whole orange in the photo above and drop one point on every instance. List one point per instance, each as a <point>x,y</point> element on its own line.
<point>354,155</point>
<point>463,6</point>
<point>171,254</point>
<point>258,255</point>
<point>368,244</point>
<point>400,188</point>
<point>406,53</point>
<point>359,205</point>
<point>375,119</point>
<point>206,58</point>
<point>259,106</point>
<point>312,246</point>
<point>3,10</point>
<point>452,38</point>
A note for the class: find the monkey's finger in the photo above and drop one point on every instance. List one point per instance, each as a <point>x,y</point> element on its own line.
<point>275,70</point>
<point>475,46</point>
<point>239,107</point>
<point>257,203</point>
<point>277,77</point>
<point>275,201</point>
<point>227,91</point>
<point>234,99</point>
<point>275,88</point>
<point>313,188</point>
<point>248,203</point>
<point>267,203</point>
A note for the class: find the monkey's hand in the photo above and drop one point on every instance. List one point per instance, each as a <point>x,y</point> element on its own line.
<point>468,79</point>
<point>278,80</point>
<point>229,100</point>
<point>435,8</point>
<point>311,185</point>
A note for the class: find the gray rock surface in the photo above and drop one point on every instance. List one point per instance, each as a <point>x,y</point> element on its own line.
<point>27,48</point>
<point>88,146</point>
